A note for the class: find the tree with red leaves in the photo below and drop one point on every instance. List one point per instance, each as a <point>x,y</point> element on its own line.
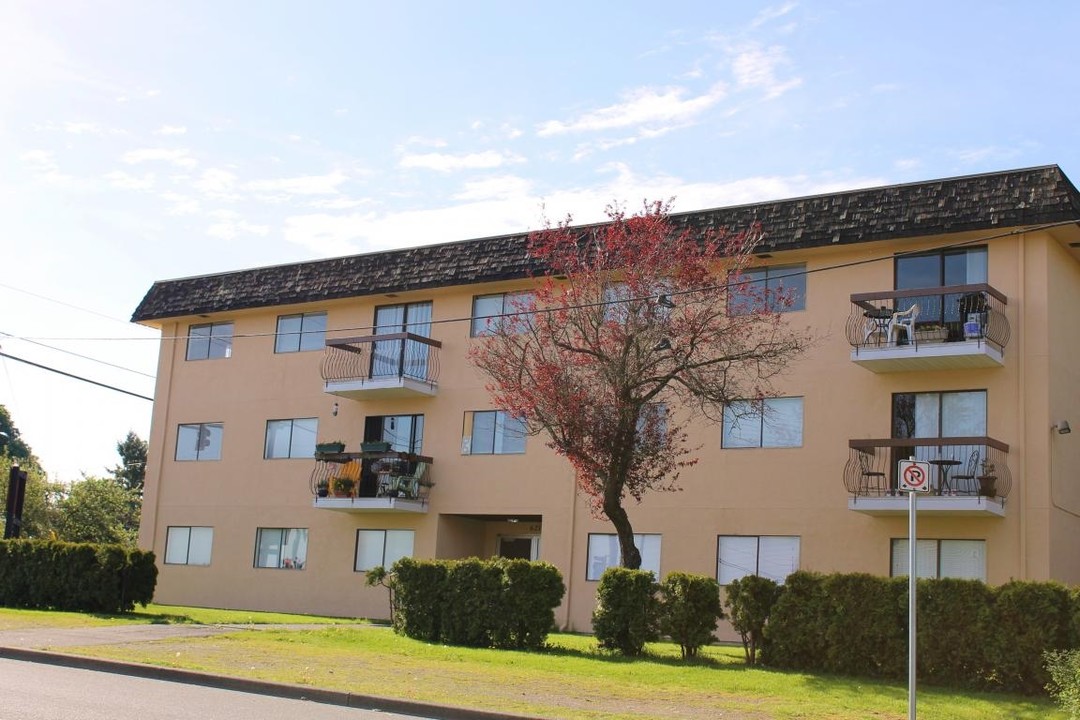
<point>639,327</point>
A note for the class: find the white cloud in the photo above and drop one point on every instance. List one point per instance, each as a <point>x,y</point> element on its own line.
<point>907,163</point>
<point>640,107</point>
<point>82,128</point>
<point>443,162</point>
<point>171,130</point>
<point>771,13</point>
<point>180,204</point>
<point>973,156</point>
<point>42,163</point>
<point>341,112</point>
<point>220,184</point>
<point>495,188</point>
<point>282,188</point>
<point>339,203</point>
<point>231,225</point>
<point>179,157</point>
<point>755,67</point>
<point>127,181</point>
<point>423,142</point>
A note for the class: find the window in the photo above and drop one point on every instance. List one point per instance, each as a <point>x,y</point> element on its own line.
<point>965,559</point>
<point>382,548</point>
<point>290,438</point>
<point>188,545</point>
<point>777,289</point>
<point>492,432</point>
<point>770,556</point>
<point>209,341</point>
<point>201,441</point>
<point>604,553</point>
<point>939,414</point>
<point>488,310</point>
<point>299,333</point>
<point>405,433</point>
<point>966,266</point>
<point>284,548</point>
<point>771,423</point>
<point>619,302</point>
<point>395,358</point>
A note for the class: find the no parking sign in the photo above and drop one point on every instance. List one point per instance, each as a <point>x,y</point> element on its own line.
<point>914,476</point>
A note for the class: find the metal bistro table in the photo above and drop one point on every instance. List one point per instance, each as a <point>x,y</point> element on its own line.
<point>944,465</point>
<point>878,321</point>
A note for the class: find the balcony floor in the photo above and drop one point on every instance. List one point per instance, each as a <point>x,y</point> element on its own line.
<point>377,388</point>
<point>966,354</point>
<point>951,505</point>
<point>370,505</point>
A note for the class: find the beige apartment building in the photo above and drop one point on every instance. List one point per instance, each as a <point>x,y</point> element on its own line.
<point>946,318</point>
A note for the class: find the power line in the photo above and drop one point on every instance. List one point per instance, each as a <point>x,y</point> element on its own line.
<point>616,301</point>
<point>84,357</point>
<point>65,304</point>
<point>76,377</point>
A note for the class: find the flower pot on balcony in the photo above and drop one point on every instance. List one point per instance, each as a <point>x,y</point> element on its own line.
<point>330,447</point>
<point>988,486</point>
<point>343,486</point>
<point>375,446</point>
<point>931,334</point>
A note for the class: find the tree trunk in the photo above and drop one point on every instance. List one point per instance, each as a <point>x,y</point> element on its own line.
<point>631,556</point>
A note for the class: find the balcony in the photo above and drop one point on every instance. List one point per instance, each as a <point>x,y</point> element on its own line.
<point>381,366</point>
<point>969,476</point>
<point>381,482</point>
<point>954,327</point>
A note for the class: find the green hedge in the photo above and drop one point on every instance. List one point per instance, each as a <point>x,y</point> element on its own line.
<point>970,635</point>
<point>750,599</point>
<point>75,576</point>
<point>689,609</point>
<point>480,603</point>
<point>627,610</point>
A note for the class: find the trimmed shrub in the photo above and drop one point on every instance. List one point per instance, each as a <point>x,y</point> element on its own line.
<point>866,625</point>
<point>1064,669</point>
<point>1029,619</point>
<point>750,600</point>
<point>473,602</point>
<point>689,609</point>
<point>795,635</point>
<point>75,576</point>
<point>419,589</point>
<point>626,611</point>
<point>955,621</point>
<point>532,592</point>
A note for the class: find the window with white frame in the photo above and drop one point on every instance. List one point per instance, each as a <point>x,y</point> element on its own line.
<point>209,341</point>
<point>199,441</point>
<point>382,548</point>
<point>490,311</point>
<point>965,559</point>
<point>284,548</point>
<point>939,414</point>
<point>604,552</point>
<point>776,289</point>
<point>290,438</point>
<point>188,545</point>
<point>492,432</point>
<point>300,333</point>
<point>770,556</point>
<point>768,423</point>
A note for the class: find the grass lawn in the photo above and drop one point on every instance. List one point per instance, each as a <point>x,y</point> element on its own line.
<point>14,619</point>
<point>572,679</point>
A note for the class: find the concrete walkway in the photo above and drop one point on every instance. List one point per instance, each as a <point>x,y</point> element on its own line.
<point>26,645</point>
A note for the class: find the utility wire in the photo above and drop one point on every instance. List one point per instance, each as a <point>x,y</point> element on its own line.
<point>76,377</point>
<point>65,304</point>
<point>84,357</point>
<point>616,301</point>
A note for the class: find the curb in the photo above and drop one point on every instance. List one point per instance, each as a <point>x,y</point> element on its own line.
<point>259,687</point>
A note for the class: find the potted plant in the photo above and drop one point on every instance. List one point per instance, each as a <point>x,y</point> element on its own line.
<point>333,446</point>
<point>322,488</point>
<point>343,486</point>
<point>375,446</point>
<point>931,333</point>
<point>987,480</point>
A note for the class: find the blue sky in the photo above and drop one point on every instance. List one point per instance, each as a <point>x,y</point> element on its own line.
<point>150,140</point>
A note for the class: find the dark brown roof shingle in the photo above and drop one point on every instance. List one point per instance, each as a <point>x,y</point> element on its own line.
<point>1031,196</point>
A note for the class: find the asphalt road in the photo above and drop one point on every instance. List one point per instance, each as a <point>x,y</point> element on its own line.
<point>34,691</point>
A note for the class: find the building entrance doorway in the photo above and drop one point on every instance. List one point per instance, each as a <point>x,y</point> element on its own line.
<point>519,547</point>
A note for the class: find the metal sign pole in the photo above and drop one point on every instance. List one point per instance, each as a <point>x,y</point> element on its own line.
<point>912,600</point>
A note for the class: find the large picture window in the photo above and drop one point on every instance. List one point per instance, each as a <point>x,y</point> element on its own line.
<point>188,545</point>
<point>768,423</point>
<point>776,289</point>
<point>300,333</point>
<point>939,414</point>
<point>405,433</point>
<point>210,341</point>
<point>382,548</point>
<point>489,311</point>
<point>290,438</point>
<point>965,559</point>
<point>284,548</point>
<point>604,553</point>
<point>492,432</point>
<point>199,441</point>
<point>770,556</point>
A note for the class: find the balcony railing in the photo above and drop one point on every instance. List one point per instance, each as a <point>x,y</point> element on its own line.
<point>968,474</point>
<point>387,364</point>
<point>947,327</point>
<point>371,481</point>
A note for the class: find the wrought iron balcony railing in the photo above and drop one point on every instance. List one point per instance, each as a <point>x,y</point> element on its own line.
<point>376,358</point>
<point>914,318</point>
<point>960,466</point>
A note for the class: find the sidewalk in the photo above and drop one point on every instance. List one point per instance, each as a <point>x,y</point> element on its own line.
<point>28,645</point>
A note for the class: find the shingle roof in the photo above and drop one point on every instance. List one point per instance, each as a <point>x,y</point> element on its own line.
<point>1012,198</point>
